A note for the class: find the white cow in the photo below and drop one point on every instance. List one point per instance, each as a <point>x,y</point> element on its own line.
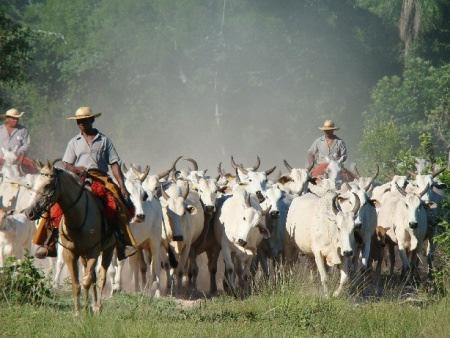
<point>405,216</point>
<point>239,226</point>
<point>278,202</point>
<point>146,227</point>
<point>183,221</point>
<point>296,182</point>
<point>15,235</point>
<point>322,230</point>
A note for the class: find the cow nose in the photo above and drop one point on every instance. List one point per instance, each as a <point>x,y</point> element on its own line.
<point>348,253</point>
<point>178,238</point>
<point>140,217</point>
<point>209,209</point>
<point>274,213</point>
<point>358,225</point>
<point>413,225</point>
<point>260,196</point>
<point>241,242</point>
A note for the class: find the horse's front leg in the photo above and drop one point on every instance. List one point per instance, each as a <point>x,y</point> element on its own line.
<point>106,261</point>
<point>71,262</point>
<point>89,278</point>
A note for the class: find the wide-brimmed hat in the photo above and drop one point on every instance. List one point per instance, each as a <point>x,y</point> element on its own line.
<point>328,125</point>
<point>14,113</point>
<point>83,113</point>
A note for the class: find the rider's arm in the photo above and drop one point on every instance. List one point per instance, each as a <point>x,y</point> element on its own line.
<point>25,142</point>
<point>312,151</point>
<point>69,160</point>
<point>118,175</point>
<point>342,152</point>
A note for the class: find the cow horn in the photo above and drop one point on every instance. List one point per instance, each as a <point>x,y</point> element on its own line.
<point>164,194</point>
<point>258,163</point>
<point>271,170</point>
<point>310,167</point>
<point>366,188</point>
<point>241,168</point>
<point>164,173</point>
<point>187,192</point>
<point>145,174</point>
<point>400,190</point>
<point>194,163</point>
<point>233,164</point>
<point>436,173</point>
<point>424,190</point>
<point>174,165</point>
<point>357,204</point>
<point>220,170</point>
<point>335,205</point>
<point>287,165</point>
<point>238,179</point>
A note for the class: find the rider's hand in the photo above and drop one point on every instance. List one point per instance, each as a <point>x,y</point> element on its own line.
<point>80,171</point>
<point>125,193</point>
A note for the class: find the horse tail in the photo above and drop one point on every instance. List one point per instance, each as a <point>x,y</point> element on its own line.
<point>172,259</point>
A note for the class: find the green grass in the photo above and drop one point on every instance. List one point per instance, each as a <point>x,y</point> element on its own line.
<point>285,311</point>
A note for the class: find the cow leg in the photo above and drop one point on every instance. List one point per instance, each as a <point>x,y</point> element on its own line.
<point>405,260</point>
<point>58,267</point>
<point>366,252</point>
<point>107,256</point>
<point>322,272</point>
<point>134,267</point>
<point>229,266</point>
<point>344,268</point>
<point>430,256</point>
<point>155,248</point>
<point>213,256</point>
<point>72,266</point>
<point>391,250</point>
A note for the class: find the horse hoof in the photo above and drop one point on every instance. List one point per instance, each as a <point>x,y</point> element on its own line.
<point>96,309</point>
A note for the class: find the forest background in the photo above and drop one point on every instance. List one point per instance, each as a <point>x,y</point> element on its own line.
<point>213,78</point>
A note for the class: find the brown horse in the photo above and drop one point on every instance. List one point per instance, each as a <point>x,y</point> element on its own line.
<point>84,233</point>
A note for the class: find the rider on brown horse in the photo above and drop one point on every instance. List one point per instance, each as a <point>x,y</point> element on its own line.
<point>88,155</point>
<point>325,148</point>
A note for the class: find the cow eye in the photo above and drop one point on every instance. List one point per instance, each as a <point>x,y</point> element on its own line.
<point>244,218</point>
<point>250,180</point>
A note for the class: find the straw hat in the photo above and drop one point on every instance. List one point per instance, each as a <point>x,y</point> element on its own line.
<point>14,113</point>
<point>83,113</point>
<point>328,125</point>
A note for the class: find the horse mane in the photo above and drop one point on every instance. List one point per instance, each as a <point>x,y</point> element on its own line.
<point>70,174</point>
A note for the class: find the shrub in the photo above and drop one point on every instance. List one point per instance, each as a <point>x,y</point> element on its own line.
<point>21,282</point>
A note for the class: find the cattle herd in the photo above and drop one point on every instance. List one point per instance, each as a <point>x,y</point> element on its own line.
<point>251,222</point>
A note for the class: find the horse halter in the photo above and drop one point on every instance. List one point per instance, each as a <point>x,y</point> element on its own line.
<point>48,197</point>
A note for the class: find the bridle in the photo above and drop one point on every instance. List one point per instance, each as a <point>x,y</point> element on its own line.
<point>48,198</point>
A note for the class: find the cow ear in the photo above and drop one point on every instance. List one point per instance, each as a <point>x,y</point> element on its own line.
<point>430,205</point>
<point>191,209</point>
<point>375,203</point>
<point>285,179</point>
<point>223,189</point>
<point>313,180</point>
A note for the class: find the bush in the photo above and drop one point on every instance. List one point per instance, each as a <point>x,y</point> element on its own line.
<point>21,282</point>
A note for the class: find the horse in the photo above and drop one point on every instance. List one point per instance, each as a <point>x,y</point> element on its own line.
<point>84,233</point>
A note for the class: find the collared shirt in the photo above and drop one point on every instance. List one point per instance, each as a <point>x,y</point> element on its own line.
<point>98,155</point>
<point>18,141</point>
<point>336,151</point>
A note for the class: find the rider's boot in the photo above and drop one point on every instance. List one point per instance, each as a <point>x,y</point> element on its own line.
<point>124,246</point>
<point>49,248</point>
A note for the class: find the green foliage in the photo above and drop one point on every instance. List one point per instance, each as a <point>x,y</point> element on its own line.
<point>21,282</point>
<point>408,116</point>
